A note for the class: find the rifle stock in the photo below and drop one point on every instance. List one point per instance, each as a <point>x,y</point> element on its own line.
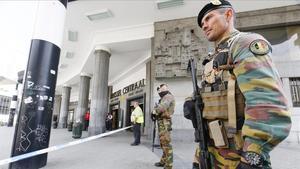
<point>202,128</point>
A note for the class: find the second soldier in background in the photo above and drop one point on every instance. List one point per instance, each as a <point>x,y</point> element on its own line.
<point>163,112</point>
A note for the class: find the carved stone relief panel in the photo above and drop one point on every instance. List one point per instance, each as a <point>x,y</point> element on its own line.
<point>175,42</point>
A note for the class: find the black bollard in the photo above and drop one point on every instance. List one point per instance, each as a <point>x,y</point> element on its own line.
<point>34,121</point>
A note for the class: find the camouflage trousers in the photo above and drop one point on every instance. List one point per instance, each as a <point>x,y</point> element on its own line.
<point>227,158</point>
<point>164,131</point>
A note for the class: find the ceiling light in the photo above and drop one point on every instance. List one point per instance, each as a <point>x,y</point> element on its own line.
<point>72,36</point>
<point>161,4</point>
<point>69,55</point>
<point>97,15</point>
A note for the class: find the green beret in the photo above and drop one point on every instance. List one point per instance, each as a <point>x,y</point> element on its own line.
<point>214,4</point>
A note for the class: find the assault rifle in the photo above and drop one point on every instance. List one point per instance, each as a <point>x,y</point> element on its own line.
<point>201,130</point>
<point>153,134</point>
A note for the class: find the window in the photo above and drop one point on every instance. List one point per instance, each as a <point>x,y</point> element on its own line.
<point>295,91</point>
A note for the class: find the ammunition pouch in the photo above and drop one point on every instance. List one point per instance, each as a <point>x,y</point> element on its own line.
<point>167,123</point>
<point>221,138</point>
<point>216,101</point>
<point>215,104</point>
<point>218,134</point>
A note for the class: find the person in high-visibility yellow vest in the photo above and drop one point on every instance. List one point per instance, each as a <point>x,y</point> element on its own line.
<point>137,118</point>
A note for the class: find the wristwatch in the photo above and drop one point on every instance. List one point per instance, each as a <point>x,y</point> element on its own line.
<point>253,159</point>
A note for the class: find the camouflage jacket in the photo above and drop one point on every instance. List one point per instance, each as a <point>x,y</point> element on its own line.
<point>267,118</point>
<point>166,107</point>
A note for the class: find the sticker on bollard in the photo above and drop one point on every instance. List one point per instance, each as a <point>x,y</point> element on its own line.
<point>58,147</point>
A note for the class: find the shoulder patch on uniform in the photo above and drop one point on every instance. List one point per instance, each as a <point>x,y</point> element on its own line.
<point>259,47</point>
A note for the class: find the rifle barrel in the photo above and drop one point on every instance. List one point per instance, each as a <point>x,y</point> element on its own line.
<point>202,128</point>
<point>154,132</point>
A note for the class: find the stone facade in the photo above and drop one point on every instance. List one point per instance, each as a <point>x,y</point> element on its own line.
<point>266,18</point>
<point>175,42</point>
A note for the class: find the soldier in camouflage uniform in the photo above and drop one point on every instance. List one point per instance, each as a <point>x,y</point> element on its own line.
<point>255,115</point>
<point>163,112</point>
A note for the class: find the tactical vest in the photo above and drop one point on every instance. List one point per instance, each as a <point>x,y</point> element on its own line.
<point>222,98</point>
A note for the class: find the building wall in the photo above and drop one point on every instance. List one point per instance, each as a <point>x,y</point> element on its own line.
<point>175,41</point>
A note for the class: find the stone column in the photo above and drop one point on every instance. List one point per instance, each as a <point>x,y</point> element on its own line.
<point>99,102</point>
<point>110,91</point>
<point>56,109</point>
<point>148,108</point>
<point>57,105</point>
<point>82,106</point>
<point>64,109</point>
<point>20,93</point>
<point>13,107</point>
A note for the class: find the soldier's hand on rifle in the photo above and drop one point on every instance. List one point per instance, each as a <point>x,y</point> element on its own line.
<point>153,115</point>
<point>205,61</point>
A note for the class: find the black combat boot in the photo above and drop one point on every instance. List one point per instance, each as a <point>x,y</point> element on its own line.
<point>159,164</point>
<point>195,166</point>
<point>134,144</point>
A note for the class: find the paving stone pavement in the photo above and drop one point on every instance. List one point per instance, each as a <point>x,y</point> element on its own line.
<point>115,152</point>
